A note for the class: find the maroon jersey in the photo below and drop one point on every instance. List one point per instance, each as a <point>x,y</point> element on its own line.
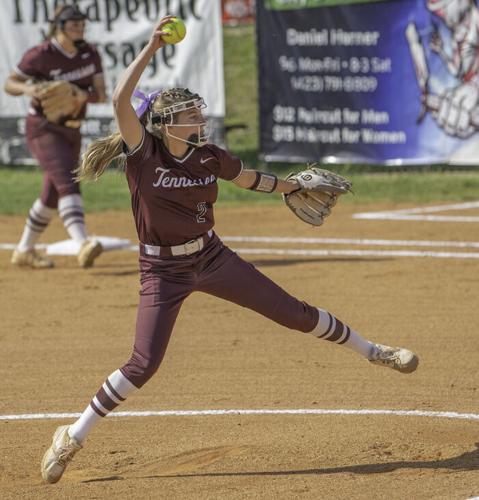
<point>172,198</point>
<point>49,61</point>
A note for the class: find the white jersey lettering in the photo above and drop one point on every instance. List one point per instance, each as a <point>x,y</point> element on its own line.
<point>165,181</point>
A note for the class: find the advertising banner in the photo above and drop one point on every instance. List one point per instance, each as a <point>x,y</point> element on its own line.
<point>388,82</point>
<point>119,29</point>
<point>238,12</point>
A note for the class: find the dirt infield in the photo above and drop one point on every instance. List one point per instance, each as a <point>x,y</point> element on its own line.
<point>64,330</point>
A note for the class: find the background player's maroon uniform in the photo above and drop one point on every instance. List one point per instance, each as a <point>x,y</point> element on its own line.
<point>55,146</point>
<point>55,140</point>
<point>49,61</point>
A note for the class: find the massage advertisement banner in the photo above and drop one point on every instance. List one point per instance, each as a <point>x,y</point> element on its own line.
<point>119,29</point>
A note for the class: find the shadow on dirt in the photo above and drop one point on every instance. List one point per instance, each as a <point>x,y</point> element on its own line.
<point>468,461</point>
<point>101,270</point>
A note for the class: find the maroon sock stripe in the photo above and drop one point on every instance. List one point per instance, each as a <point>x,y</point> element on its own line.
<point>38,227</point>
<point>338,331</point>
<point>348,333</point>
<point>73,215</point>
<point>70,211</point>
<point>34,228</point>
<point>105,400</point>
<point>41,218</point>
<point>96,410</point>
<point>329,326</point>
<point>37,222</point>
<point>69,222</point>
<point>117,396</point>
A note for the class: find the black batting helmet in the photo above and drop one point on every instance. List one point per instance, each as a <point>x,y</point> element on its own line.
<point>70,13</point>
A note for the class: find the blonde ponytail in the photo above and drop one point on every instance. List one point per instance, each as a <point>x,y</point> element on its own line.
<point>52,28</point>
<point>99,155</point>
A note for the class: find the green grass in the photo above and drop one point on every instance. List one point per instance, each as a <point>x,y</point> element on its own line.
<point>376,188</point>
<point>241,92</point>
<point>21,185</point>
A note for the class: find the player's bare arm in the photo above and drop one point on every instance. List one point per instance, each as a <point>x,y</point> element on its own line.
<point>248,178</point>
<point>97,96</point>
<point>128,123</point>
<point>100,88</point>
<point>18,85</point>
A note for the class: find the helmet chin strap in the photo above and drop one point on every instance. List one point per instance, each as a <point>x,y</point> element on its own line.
<point>196,139</point>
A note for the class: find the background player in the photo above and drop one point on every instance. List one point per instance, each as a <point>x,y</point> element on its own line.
<point>56,146</point>
<point>172,174</point>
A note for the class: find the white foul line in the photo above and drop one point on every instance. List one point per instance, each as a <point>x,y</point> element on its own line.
<point>439,208</point>
<point>427,218</point>
<point>353,241</point>
<point>409,213</point>
<point>359,253</point>
<point>267,411</point>
<point>332,252</point>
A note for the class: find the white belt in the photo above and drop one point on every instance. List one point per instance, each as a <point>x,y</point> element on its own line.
<point>187,248</point>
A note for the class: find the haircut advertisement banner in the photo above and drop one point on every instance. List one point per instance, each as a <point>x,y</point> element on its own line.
<point>388,82</point>
<point>119,29</point>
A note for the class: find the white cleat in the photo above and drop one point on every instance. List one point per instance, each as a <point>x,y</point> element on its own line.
<point>31,259</point>
<point>59,455</point>
<point>397,358</point>
<point>89,251</point>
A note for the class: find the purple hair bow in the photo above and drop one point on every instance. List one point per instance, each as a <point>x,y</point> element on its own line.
<point>146,101</point>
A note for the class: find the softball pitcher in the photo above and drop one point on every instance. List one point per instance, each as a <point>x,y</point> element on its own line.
<point>61,75</point>
<point>172,174</point>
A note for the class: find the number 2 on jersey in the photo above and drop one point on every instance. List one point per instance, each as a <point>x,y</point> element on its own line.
<point>202,208</point>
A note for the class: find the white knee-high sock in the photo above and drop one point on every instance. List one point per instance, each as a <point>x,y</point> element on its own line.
<point>70,208</point>
<point>332,329</point>
<point>114,391</point>
<point>38,219</point>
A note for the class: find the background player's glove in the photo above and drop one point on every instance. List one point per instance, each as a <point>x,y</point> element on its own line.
<point>318,193</point>
<point>60,99</point>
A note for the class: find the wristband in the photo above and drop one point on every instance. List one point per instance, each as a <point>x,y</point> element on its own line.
<point>264,183</point>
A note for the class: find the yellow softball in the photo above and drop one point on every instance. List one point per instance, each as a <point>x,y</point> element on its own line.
<point>176,31</point>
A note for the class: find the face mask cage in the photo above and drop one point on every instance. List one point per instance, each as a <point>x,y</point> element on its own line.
<point>165,117</point>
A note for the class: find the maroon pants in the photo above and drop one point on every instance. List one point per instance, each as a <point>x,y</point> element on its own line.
<point>216,270</point>
<point>57,150</point>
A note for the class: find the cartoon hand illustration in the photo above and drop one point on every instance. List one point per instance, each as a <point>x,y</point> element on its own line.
<point>456,108</point>
<point>435,43</point>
